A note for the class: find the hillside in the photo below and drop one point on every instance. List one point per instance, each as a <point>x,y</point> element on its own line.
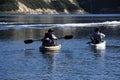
<point>59,6</point>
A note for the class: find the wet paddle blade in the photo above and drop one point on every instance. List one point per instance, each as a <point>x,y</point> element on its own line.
<point>68,37</point>
<point>28,41</point>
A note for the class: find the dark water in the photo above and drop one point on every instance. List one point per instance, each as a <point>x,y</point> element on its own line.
<point>73,18</point>
<point>75,61</point>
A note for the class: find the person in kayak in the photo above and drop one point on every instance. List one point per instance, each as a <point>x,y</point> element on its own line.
<point>97,36</point>
<point>49,38</point>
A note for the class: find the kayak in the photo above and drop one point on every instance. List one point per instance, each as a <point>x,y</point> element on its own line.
<point>99,46</point>
<point>50,48</point>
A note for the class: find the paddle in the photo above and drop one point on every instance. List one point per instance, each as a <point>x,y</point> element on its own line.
<point>30,40</point>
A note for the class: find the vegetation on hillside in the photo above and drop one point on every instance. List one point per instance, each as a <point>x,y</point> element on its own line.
<point>64,4</point>
<point>100,6</point>
<point>89,6</point>
<point>35,4</point>
<point>8,5</point>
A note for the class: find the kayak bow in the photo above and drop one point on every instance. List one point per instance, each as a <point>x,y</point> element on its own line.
<point>50,48</point>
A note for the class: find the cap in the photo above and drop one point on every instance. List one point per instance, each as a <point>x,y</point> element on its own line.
<point>50,30</point>
<point>97,29</point>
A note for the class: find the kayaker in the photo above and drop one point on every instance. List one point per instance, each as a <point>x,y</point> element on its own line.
<point>49,38</point>
<point>97,36</point>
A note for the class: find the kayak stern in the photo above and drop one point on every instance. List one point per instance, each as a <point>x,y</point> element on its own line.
<point>99,46</point>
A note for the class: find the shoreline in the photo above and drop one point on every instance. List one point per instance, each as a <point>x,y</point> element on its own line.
<point>47,12</point>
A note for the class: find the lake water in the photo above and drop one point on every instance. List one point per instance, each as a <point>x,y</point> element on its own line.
<point>75,61</point>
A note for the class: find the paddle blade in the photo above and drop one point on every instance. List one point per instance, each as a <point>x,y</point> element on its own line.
<point>68,37</point>
<point>28,41</point>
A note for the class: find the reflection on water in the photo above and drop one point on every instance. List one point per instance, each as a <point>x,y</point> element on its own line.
<point>34,19</point>
<point>97,50</point>
<point>48,56</point>
<point>99,53</point>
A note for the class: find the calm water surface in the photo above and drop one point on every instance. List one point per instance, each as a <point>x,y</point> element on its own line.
<point>75,61</point>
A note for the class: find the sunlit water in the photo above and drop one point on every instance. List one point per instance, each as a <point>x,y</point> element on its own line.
<point>75,61</point>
